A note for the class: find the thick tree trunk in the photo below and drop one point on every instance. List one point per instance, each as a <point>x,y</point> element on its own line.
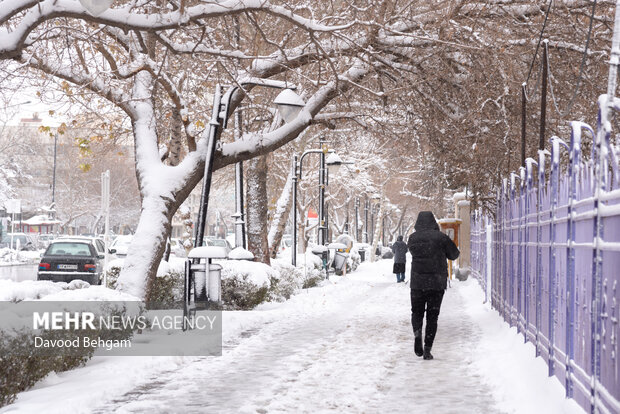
<point>256,179</point>
<point>147,248</point>
<point>280,217</point>
<point>378,229</point>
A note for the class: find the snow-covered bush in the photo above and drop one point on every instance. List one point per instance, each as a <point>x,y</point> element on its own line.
<point>314,270</point>
<point>290,280</point>
<point>22,364</point>
<point>21,368</point>
<point>354,259</point>
<point>245,284</point>
<point>167,291</point>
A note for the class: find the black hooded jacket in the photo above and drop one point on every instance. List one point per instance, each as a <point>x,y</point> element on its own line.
<point>429,249</point>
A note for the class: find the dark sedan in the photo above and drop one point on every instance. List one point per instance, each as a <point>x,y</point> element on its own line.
<point>67,260</point>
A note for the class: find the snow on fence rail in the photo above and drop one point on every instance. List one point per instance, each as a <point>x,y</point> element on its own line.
<point>552,272</point>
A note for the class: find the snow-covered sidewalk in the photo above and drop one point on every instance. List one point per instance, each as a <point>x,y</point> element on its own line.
<point>344,347</point>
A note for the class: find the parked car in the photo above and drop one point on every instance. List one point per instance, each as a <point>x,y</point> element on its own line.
<point>96,241</point>
<point>20,240</point>
<point>218,242</point>
<point>120,245</point>
<point>69,259</point>
<point>44,240</point>
<point>176,247</point>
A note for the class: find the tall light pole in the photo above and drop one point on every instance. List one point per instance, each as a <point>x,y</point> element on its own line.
<point>289,104</point>
<point>294,245</point>
<point>54,172</point>
<point>357,215</point>
<point>334,162</point>
<point>366,202</point>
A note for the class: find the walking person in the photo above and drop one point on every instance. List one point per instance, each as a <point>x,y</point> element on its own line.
<point>399,248</point>
<point>430,249</point>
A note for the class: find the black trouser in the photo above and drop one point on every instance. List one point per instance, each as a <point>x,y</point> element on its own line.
<point>429,300</point>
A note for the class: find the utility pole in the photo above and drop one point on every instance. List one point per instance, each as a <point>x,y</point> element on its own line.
<point>543,98</point>
<point>523,123</point>
<point>105,210</point>
<point>357,215</point>
<point>54,172</point>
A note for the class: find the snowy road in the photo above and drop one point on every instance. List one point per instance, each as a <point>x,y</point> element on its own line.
<point>348,350</point>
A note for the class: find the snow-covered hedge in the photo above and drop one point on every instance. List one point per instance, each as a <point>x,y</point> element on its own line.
<point>21,364</point>
<point>167,291</point>
<point>245,284</point>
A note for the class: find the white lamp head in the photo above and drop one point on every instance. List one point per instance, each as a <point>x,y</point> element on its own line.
<point>96,7</point>
<point>289,104</point>
<point>333,163</point>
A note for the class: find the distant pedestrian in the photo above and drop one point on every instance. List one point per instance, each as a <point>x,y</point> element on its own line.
<point>430,249</point>
<point>399,248</point>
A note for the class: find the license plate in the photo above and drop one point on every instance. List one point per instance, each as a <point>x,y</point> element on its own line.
<point>67,266</point>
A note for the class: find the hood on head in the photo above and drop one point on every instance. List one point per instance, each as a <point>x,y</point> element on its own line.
<point>399,238</point>
<point>426,221</point>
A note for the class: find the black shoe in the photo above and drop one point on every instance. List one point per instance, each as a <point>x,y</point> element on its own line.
<point>417,345</point>
<point>427,353</point>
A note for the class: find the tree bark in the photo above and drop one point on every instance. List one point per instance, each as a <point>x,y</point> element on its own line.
<point>280,217</point>
<point>378,228</point>
<point>256,179</point>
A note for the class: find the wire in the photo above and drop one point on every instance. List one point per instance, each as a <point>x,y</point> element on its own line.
<point>542,31</point>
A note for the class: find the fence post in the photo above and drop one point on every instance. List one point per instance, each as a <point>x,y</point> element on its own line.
<point>537,276</point>
<point>600,168</point>
<point>573,168</point>
<point>555,178</point>
<point>515,210</point>
<point>529,182</point>
<point>489,256</point>
<point>504,281</point>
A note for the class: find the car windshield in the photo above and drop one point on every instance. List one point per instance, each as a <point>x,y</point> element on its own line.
<point>65,248</point>
<point>124,241</point>
<point>220,243</point>
<point>16,237</point>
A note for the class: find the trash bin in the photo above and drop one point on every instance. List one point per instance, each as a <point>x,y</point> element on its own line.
<point>207,276</point>
<point>340,262</point>
<point>340,257</point>
<point>362,248</point>
<point>323,253</point>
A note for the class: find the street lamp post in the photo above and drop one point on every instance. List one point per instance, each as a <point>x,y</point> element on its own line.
<point>383,231</point>
<point>295,179</point>
<point>333,161</point>
<point>54,172</point>
<point>366,202</point>
<point>290,105</point>
<point>357,214</point>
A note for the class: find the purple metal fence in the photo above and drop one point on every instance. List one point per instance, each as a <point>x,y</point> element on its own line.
<point>552,268</point>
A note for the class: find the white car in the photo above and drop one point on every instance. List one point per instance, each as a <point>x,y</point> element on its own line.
<point>120,245</point>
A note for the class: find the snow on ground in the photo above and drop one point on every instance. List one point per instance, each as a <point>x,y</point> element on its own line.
<point>344,347</point>
<point>503,357</point>
<point>10,257</point>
